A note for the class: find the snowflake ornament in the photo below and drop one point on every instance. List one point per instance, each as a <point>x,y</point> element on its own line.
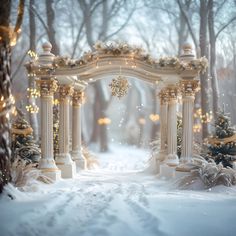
<point>119,86</point>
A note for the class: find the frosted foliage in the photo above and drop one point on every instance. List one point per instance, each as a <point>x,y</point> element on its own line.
<point>209,173</point>
<point>25,175</point>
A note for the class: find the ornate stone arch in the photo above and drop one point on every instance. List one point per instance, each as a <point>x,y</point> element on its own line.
<point>175,76</point>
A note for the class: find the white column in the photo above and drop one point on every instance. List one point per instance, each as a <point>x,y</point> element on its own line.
<point>47,163</point>
<point>172,158</point>
<point>63,159</point>
<point>163,123</point>
<point>188,93</point>
<point>77,154</point>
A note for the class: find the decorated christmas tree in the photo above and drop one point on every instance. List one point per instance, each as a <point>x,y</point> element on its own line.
<point>23,144</point>
<point>222,145</point>
<point>179,135</point>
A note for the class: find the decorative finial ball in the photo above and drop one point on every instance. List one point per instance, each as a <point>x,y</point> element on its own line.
<point>187,47</point>
<point>187,54</point>
<point>47,47</point>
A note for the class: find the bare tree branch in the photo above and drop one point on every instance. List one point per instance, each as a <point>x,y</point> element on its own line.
<point>185,15</point>
<point>219,7</point>
<point>19,66</point>
<point>40,19</point>
<point>77,39</point>
<point>225,26</point>
<point>121,27</point>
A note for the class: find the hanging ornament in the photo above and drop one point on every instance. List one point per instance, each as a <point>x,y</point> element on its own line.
<point>119,86</point>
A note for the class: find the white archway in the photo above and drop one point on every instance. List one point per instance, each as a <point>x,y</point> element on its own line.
<point>175,76</point>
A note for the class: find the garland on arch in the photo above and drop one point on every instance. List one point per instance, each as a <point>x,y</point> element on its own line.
<point>117,49</point>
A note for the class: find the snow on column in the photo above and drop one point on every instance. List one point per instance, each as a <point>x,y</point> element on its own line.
<point>76,129</point>
<point>172,158</point>
<point>163,122</point>
<point>47,163</point>
<point>188,94</point>
<point>63,159</point>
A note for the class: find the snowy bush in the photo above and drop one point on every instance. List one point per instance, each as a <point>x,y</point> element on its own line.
<point>209,173</point>
<point>24,175</point>
<point>91,161</point>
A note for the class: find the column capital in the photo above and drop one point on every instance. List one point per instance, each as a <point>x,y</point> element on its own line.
<point>189,87</point>
<point>65,90</point>
<point>47,87</point>
<point>172,93</point>
<point>78,97</point>
<point>163,96</point>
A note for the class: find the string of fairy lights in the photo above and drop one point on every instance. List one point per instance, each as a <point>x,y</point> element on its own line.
<point>32,92</point>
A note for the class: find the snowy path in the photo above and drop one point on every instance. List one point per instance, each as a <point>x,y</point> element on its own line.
<point>105,203</point>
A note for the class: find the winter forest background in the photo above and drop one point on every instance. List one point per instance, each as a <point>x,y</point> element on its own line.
<point>161,28</point>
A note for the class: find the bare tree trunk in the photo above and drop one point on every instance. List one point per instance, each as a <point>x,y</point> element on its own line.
<point>5,93</point>
<point>212,37</point>
<point>31,79</point>
<point>5,86</point>
<point>101,102</point>
<point>51,29</point>
<point>204,77</point>
<point>182,31</point>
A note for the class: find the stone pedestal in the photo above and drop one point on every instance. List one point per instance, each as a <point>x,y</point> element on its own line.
<point>76,153</point>
<point>172,158</point>
<point>47,163</point>
<point>63,159</point>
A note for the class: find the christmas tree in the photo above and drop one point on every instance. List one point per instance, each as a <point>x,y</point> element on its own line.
<point>179,135</point>
<point>222,145</point>
<point>23,144</point>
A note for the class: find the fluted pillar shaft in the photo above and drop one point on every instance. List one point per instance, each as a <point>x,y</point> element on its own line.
<point>163,124</point>
<point>188,93</point>
<point>76,127</point>
<point>172,158</point>
<point>47,89</point>
<point>65,93</point>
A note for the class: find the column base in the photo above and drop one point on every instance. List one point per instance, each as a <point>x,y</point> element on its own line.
<point>68,171</point>
<point>47,163</point>
<point>81,164</point>
<point>161,156</point>
<point>167,172</point>
<point>53,174</point>
<point>172,160</point>
<point>63,159</point>
<point>183,169</point>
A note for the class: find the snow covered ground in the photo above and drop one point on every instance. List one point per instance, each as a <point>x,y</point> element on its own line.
<point>117,200</point>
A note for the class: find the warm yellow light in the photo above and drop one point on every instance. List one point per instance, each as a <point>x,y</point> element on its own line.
<point>142,121</point>
<point>55,102</point>
<point>32,54</point>
<point>197,128</point>
<point>32,108</point>
<point>104,121</point>
<point>154,117</point>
